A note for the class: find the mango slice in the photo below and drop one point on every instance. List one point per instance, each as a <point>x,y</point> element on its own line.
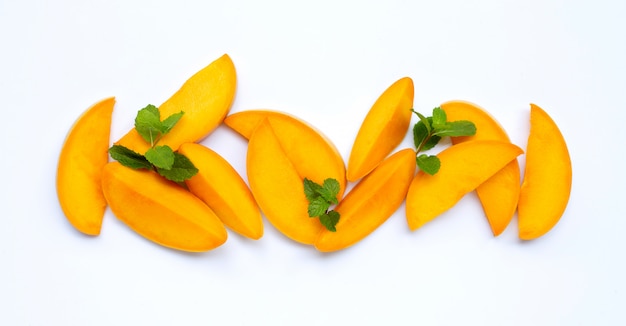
<point>547,177</point>
<point>83,155</point>
<point>500,193</point>
<point>383,129</point>
<point>371,202</point>
<point>219,185</point>
<point>205,98</point>
<point>276,178</point>
<point>464,167</point>
<point>310,151</point>
<point>161,210</point>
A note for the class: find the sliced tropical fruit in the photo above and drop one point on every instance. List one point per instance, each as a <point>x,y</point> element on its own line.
<point>161,210</point>
<point>384,127</point>
<point>500,193</point>
<point>205,98</point>
<point>371,202</point>
<point>83,155</point>
<point>547,177</point>
<point>277,179</point>
<point>306,147</point>
<point>219,185</point>
<point>464,167</point>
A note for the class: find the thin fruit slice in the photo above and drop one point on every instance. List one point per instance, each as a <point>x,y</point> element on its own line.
<point>205,98</point>
<point>499,194</point>
<point>161,210</point>
<point>463,168</point>
<point>306,147</point>
<point>384,127</point>
<point>219,185</point>
<point>547,177</point>
<point>276,181</point>
<point>83,155</point>
<point>371,202</point>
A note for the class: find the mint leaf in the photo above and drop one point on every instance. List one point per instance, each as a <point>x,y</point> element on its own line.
<point>161,156</point>
<point>317,207</point>
<point>457,128</point>
<point>330,220</point>
<point>181,170</point>
<point>148,124</point>
<point>428,163</point>
<point>439,118</point>
<point>129,158</point>
<point>320,198</point>
<point>422,137</point>
<point>170,122</point>
<point>311,189</point>
<point>330,190</point>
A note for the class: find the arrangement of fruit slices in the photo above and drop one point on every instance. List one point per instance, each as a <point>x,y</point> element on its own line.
<point>194,216</point>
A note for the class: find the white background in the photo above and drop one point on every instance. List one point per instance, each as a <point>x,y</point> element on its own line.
<point>326,62</point>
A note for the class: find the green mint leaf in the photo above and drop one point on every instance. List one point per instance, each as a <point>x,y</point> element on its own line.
<point>317,207</point>
<point>148,124</point>
<point>181,170</point>
<point>426,121</point>
<point>170,122</point>
<point>428,163</point>
<point>421,136</point>
<point>439,118</point>
<point>330,190</point>
<point>329,220</point>
<point>311,189</point>
<point>129,158</point>
<point>456,128</point>
<point>161,156</point>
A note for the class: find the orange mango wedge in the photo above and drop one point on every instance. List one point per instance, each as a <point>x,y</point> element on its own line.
<point>500,193</point>
<point>276,178</point>
<point>205,98</point>
<point>547,181</point>
<point>464,167</point>
<point>382,130</point>
<point>161,210</point>
<point>219,185</point>
<point>371,202</point>
<point>83,155</point>
<point>299,141</point>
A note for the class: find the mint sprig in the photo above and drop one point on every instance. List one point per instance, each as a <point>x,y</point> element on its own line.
<point>320,198</point>
<point>169,164</point>
<point>428,131</point>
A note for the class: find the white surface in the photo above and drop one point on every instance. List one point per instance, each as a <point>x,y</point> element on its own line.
<point>326,62</point>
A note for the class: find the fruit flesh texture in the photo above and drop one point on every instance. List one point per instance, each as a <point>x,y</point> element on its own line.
<point>205,98</point>
<point>547,177</point>
<point>384,127</point>
<point>276,182</point>
<point>83,155</point>
<point>463,168</point>
<point>371,202</point>
<point>500,193</point>
<point>219,185</point>
<point>299,141</point>
<point>160,210</point>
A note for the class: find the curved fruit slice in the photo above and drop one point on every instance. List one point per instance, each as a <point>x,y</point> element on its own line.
<point>463,168</point>
<point>547,177</point>
<point>83,155</point>
<point>384,127</point>
<point>499,194</point>
<point>219,185</point>
<point>371,202</point>
<point>307,148</point>
<point>161,210</point>
<point>205,98</point>
<point>276,181</point>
